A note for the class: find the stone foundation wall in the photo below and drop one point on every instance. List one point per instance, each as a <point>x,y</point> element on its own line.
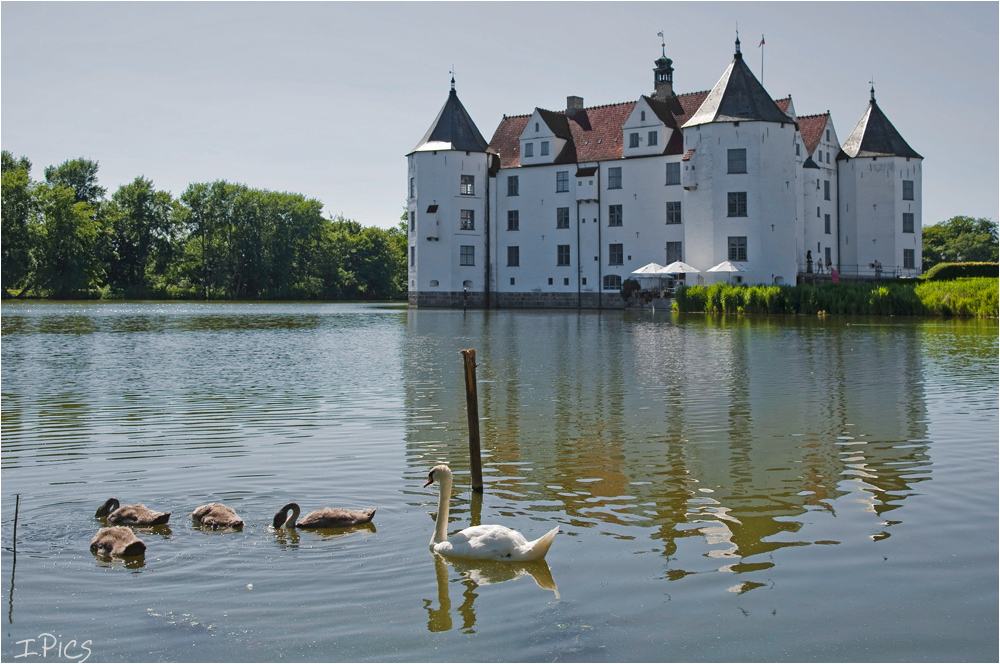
<point>530,300</point>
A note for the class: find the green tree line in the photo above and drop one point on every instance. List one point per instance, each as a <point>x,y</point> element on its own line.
<point>62,238</point>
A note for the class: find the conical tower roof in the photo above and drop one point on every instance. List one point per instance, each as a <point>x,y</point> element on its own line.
<point>452,129</point>
<point>738,97</point>
<point>874,136</point>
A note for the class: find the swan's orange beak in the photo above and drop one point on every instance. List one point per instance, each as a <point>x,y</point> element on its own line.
<point>428,482</point>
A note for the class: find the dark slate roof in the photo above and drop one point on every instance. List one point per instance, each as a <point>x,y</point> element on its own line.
<point>452,129</point>
<point>738,97</point>
<point>874,136</point>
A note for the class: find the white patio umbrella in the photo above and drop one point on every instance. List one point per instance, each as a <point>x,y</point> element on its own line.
<point>726,266</point>
<point>677,267</point>
<point>650,270</point>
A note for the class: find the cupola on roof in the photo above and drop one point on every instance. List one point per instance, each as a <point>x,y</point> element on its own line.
<point>452,129</point>
<point>738,97</point>
<point>874,136</point>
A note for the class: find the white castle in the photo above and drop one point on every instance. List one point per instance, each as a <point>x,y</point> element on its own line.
<point>561,206</point>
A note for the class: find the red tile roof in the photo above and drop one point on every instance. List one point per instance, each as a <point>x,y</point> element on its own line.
<point>783,103</point>
<point>595,133</point>
<point>811,127</point>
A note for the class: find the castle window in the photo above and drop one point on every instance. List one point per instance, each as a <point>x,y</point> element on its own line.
<point>562,254</point>
<point>612,282</point>
<point>562,217</point>
<point>909,259</point>
<point>513,258</point>
<point>536,127</point>
<point>907,190</point>
<point>817,212</point>
<point>529,149</point>
<point>829,261</point>
<point>413,220</point>
<point>512,185</point>
<point>674,172</point>
<point>673,252</point>
<point>642,116</point>
<point>614,215</point>
<point>615,177</point>
<point>467,255</point>
<point>413,186</point>
<point>828,157</point>
<point>468,185</point>
<point>826,224</point>
<point>513,220</point>
<point>820,154</point>
<point>827,135</point>
<point>468,219</point>
<point>413,257</point>
<point>738,248</point>
<point>907,222</point>
<point>652,138</point>
<point>615,255</point>
<point>826,190</point>
<point>633,139</point>
<point>562,181</point>
<point>797,153</point>
<point>673,212</point>
<point>544,149</point>
<point>737,160</point>
<point>737,204</point>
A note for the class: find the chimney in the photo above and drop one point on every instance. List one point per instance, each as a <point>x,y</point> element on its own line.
<point>573,105</point>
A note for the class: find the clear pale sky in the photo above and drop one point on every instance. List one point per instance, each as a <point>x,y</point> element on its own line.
<point>325,99</point>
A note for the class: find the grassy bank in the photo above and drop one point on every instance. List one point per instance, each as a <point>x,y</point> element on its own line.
<point>960,297</point>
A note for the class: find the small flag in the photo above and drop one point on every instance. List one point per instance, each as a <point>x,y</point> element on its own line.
<point>761,41</point>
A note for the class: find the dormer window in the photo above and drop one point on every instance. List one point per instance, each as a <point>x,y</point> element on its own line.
<point>545,148</point>
<point>652,138</point>
<point>633,139</point>
<point>529,149</point>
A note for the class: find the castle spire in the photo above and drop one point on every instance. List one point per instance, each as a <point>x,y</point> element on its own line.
<point>663,73</point>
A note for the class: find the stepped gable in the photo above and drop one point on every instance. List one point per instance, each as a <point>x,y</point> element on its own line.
<point>738,97</point>
<point>452,129</point>
<point>811,128</point>
<point>875,136</point>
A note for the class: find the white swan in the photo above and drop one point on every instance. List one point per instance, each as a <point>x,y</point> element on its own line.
<point>481,542</point>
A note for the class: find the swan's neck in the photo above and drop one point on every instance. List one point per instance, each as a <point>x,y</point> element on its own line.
<point>444,498</point>
<point>290,523</point>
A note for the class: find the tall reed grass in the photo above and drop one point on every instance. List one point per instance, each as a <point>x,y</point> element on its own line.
<point>976,296</point>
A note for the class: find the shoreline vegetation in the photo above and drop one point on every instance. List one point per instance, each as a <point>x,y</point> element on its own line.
<point>63,239</point>
<point>965,296</point>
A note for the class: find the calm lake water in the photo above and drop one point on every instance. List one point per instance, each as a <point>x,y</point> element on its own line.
<point>752,489</point>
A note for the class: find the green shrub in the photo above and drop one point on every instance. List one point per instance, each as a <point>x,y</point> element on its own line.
<point>960,297</point>
<point>948,271</point>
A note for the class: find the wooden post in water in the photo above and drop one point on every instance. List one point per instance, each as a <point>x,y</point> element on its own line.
<point>472,403</point>
<point>17,506</point>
